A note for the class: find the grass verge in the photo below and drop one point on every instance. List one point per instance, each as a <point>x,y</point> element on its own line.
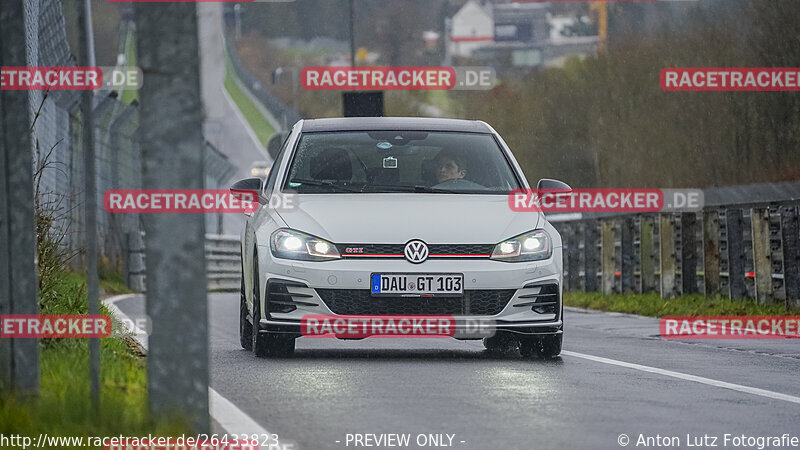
<point>258,123</point>
<point>63,407</point>
<point>688,305</point>
<point>129,95</point>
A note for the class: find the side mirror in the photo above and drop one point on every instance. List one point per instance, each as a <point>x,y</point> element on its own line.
<point>547,184</point>
<point>247,186</point>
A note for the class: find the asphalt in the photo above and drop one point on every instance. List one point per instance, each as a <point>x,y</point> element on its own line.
<point>333,388</point>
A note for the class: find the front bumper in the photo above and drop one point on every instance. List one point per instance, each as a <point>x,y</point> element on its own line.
<point>294,289</point>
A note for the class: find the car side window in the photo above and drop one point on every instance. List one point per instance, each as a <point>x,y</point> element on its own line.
<point>273,173</point>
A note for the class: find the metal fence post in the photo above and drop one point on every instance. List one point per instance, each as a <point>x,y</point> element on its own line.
<point>172,157</point>
<point>626,251</point>
<point>647,262</point>
<point>791,255</point>
<point>733,226</point>
<point>762,259</point>
<point>591,256</point>
<point>688,253</point>
<point>19,358</point>
<point>573,257</point>
<point>711,252</point>
<point>607,270</point>
<point>666,248</point>
<point>90,208</point>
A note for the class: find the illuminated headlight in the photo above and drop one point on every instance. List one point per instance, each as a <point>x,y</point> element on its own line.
<point>293,244</point>
<point>533,246</point>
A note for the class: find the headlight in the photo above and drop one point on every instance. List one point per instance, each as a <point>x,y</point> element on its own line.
<point>533,246</point>
<point>293,244</point>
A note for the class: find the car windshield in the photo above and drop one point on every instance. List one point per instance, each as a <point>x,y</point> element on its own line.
<point>400,161</point>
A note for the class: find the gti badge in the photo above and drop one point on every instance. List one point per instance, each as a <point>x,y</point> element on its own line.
<point>416,251</point>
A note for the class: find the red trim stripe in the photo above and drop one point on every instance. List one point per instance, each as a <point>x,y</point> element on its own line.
<point>460,255</point>
<point>348,255</point>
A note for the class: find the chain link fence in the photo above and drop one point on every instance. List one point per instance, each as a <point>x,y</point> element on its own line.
<point>59,151</point>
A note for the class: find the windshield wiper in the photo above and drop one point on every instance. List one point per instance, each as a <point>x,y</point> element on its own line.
<point>404,188</point>
<point>329,184</point>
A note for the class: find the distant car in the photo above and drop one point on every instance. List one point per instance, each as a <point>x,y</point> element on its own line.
<point>260,169</point>
<point>385,200</point>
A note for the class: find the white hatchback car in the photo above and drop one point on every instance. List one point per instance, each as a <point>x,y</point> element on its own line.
<point>380,201</point>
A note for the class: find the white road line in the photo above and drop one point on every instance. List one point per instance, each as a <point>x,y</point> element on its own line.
<point>138,335</point>
<point>687,377</point>
<point>232,419</point>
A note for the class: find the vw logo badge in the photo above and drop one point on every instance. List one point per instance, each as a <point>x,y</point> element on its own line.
<point>416,251</point>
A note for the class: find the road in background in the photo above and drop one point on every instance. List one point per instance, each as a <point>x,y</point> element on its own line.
<point>443,386</point>
<point>224,126</point>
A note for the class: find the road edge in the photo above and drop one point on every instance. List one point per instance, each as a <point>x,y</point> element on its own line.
<point>577,309</point>
<point>230,418</point>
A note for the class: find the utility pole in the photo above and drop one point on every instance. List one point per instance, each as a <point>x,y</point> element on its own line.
<point>19,358</point>
<point>86,44</point>
<point>237,16</point>
<point>602,23</point>
<point>171,121</point>
<point>352,34</point>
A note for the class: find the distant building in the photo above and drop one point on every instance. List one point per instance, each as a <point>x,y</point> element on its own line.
<point>431,39</point>
<point>471,27</point>
<point>520,33</point>
<point>570,36</point>
<point>517,35</point>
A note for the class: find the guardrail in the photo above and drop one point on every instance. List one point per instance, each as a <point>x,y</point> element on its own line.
<point>740,251</point>
<point>286,115</point>
<point>223,263</point>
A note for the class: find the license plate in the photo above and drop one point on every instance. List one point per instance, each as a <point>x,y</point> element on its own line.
<point>417,284</point>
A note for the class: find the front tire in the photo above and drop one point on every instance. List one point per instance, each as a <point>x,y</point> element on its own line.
<point>266,344</point>
<point>500,343</point>
<point>245,327</point>
<point>544,346</point>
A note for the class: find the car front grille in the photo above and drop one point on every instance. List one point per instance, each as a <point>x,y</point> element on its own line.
<point>396,250</point>
<point>361,302</point>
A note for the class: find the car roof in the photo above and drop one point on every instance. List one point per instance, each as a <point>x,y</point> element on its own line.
<point>394,123</point>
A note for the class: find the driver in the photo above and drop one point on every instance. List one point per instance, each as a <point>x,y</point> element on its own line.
<point>450,166</point>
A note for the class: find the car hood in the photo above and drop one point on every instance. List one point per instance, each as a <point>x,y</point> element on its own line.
<point>398,218</point>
